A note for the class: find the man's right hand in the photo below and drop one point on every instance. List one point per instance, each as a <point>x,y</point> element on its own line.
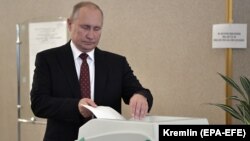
<point>84,111</point>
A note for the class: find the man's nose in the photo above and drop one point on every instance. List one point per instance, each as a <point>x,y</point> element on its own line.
<point>90,34</point>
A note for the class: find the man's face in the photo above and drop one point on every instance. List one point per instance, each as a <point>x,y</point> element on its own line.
<point>85,28</point>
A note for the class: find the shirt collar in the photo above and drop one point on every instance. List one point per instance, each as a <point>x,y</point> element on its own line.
<point>77,52</point>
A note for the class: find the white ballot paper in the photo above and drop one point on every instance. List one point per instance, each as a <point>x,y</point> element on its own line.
<point>105,112</point>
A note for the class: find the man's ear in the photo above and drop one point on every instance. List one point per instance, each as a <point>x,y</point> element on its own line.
<point>69,23</point>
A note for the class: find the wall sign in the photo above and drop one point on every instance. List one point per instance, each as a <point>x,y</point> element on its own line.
<point>45,35</point>
<point>229,36</point>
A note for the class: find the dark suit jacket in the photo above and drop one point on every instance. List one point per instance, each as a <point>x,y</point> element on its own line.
<point>56,92</point>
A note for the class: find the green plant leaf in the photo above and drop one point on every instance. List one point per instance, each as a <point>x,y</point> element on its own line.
<point>232,83</point>
<point>229,109</point>
<point>242,112</point>
<point>241,109</point>
<point>246,106</point>
<point>246,85</point>
<point>245,115</point>
<point>234,98</point>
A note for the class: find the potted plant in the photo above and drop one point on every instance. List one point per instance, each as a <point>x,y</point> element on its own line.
<point>241,109</point>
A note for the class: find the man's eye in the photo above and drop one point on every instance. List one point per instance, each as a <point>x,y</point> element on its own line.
<point>97,28</point>
<point>85,27</point>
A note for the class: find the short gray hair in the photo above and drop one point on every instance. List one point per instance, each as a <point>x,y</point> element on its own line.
<point>84,4</point>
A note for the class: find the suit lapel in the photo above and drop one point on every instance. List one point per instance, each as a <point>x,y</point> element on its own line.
<point>66,60</point>
<point>101,74</point>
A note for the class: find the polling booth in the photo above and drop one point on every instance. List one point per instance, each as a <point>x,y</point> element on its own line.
<point>132,130</point>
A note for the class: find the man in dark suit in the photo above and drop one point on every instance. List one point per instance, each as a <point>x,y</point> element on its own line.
<point>56,93</point>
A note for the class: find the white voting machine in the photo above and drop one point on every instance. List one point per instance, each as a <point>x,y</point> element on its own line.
<point>131,130</point>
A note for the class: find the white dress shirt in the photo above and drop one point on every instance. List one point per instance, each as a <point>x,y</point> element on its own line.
<point>91,63</point>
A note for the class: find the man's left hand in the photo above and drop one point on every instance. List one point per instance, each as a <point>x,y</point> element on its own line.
<point>138,106</point>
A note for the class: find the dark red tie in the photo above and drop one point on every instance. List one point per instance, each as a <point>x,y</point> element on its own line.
<point>84,77</point>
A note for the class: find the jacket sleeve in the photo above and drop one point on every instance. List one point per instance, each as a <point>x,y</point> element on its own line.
<point>131,85</point>
<point>44,102</point>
